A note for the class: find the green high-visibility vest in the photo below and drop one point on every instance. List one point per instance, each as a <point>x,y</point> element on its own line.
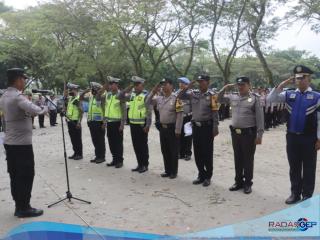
<point>73,112</point>
<point>113,111</point>
<point>137,111</point>
<point>94,111</point>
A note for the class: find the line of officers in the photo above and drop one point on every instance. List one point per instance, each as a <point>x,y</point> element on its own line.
<point>179,112</point>
<point>188,109</point>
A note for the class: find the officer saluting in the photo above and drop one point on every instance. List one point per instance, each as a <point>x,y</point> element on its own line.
<point>246,131</point>
<point>303,131</point>
<point>17,110</point>
<point>74,117</point>
<point>95,122</point>
<point>171,117</point>
<point>140,121</point>
<point>185,141</point>
<point>205,127</point>
<point>114,118</point>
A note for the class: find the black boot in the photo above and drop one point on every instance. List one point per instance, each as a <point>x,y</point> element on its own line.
<point>294,198</point>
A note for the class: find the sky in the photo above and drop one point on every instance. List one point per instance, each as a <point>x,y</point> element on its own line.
<point>302,38</point>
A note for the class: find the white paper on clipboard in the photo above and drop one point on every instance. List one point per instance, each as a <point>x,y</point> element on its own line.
<point>187,129</point>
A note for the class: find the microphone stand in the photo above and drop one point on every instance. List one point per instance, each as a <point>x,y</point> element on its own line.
<point>69,195</point>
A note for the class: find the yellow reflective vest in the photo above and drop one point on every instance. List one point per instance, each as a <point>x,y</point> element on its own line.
<point>95,110</point>
<point>73,111</point>
<point>113,109</point>
<point>137,111</point>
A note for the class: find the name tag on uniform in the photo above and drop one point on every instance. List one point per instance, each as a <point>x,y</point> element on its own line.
<point>292,96</point>
<point>309,96</point>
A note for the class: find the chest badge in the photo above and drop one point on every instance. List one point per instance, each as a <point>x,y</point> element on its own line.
<point>292,96</point>
<point>249,99</point>
<point>309,96</point>
<point>207,98</point>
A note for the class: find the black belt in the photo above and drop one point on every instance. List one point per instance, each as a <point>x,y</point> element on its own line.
<point>242,131</point>
<point>169,125</point>
<point>202,123</point>
<point>302,134</point>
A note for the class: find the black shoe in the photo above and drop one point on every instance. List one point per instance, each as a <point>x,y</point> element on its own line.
<point>235,187</point>
<point>305,198</point>
<point>100,160</point>
<point>93,160</point>
<point>42,127</point>
<point>77,157</point>
<point>187,158</point>
<point>143,169</point>
<point>206,182</point>
<point>173,176</point>
<point>30,212</point>
<point>247,189</point>
<point>198,181</point>
<point>164,175</point>
<point>72,157</point>
<point>111,164</point>
<point>293,199</point>
<point>119,165</point>
<point>136,169</point>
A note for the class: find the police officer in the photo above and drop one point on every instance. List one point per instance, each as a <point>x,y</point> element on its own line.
<point>17,111</point>
<point>74,117</point>
<point>95,122</point>
<point>52,109</point>
<point>205,121</point>
<point>246,131</point>
<point>171,118</point>
<point>114,118</point>
<point>303,131</point>
<point>140,120</point>
<point>185,141</point>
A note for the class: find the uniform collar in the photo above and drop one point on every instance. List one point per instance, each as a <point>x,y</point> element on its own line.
<point>309,89</point>
<point>13,89</point>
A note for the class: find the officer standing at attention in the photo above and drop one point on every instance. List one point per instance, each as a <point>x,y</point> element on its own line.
<point>171,117</point>
<point>185,141</point>
<point>95,122</point>
<point>140,120</point>
<point>303,131</point>
<point>74,117</point>
<point>205,121</point>
<point>114,119</point>
<point>246,131</point>
<point>17,110</point>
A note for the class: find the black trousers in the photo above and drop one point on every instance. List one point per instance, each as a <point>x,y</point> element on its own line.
<point>41,120</point>
<point>185,142</point>
<point>76,137</point>
<point>97,136</point>
<point>115,139</point>
<point>20,162</point>
<point>169,148</point>
<point>53,117</point>
<point>302,158</point>
<point>268,118</point>
<point>244,148</point>
<point>203,150</point>
<point>140,144</point>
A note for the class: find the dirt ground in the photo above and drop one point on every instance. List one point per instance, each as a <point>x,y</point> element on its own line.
<point>146,202</point>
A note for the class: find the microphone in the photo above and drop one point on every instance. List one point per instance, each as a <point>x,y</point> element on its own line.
<point>41,91</point>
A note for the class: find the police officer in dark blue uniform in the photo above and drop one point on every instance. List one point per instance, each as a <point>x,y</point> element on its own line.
<point>303,131</point>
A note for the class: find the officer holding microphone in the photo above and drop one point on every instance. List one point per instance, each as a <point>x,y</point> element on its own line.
<point>18,110</point>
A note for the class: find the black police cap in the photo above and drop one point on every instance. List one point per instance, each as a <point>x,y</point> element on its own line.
<point>242,79</point>
<point>300,69</point>
<point>166,80</point>
<point>16,72</point>
<point>203,77</point>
